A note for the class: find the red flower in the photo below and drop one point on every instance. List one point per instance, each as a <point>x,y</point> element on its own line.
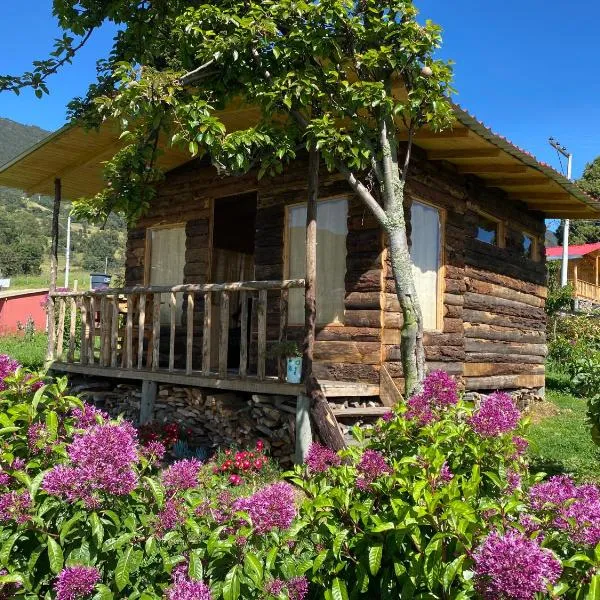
<point>235,479</point>
<point>260,445</point>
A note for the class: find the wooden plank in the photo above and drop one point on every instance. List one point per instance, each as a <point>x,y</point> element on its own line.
<point>223,333</point>
<point>129,334</point>
<point>206,333</point>
<point>262,333</point>
<point>494,167</point>
<point>141,331</point>
<point>102,327</point>
<point>283,325</point>
<point>92,331</point>
<point>365,411</point>
<point>388,391</point>
<point>481,369</point>
<point>463,153</point>
<point>62,308</point>
<point>504,382</point>
<point>368,353</point>
<point>269,385</point>
<point>516,182</point>
<point>244,334</point>
<point>173,313</point>
<point>83,351</point>
<point>72,330</point>
<point>149,393</point>
<point>189,336</point>
<point>155,331</point>
<point>504,334</point>
<point>339,389</point>
<point>114,332</point>
<point>474,345</point>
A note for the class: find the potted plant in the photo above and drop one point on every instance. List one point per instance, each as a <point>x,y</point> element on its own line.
<point>289,351</point>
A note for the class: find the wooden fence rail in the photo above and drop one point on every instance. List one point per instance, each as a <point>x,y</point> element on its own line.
<point>183,328</point>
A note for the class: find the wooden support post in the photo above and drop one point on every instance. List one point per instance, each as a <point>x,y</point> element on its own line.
<point>206,333</point>
<point>114,331</point>
<point>53,271</point>
<point>129,335</point>
<point>189,338</point>
<point>173,307</point>
<point>283,324</point>
<point>261,314</point>
<point>141,331</point>
<point>91,330</point>
<point>149,392</point>
<point>72,329</point>
<point>244,334</point>
<point>62,309</point>
<point>155,332</point>
<point>83,351</point>
<point>223,333</point>
<point>303,430</point>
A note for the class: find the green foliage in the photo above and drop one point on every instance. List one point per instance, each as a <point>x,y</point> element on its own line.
<point>30,351</point>
<point>559,297</point>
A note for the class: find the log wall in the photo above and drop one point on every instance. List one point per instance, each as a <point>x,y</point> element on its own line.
<point>492,330</point>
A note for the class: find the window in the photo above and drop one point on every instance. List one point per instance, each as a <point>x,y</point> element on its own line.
<point>488,230</point>
<point>167,261</point>
<point>332,228</point>
<point>528,246</point>
<point>425,253</point>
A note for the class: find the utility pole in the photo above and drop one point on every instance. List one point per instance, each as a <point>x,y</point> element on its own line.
<point>68,252</point>
<point>565,257</point>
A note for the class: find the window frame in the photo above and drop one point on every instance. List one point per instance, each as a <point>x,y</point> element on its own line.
<point>441,277</point>
<point>148,246</point>
<point>535,245</point>
<point>286,249</point>
<point>501,231</point>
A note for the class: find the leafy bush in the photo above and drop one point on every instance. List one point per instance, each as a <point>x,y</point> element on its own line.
<point>435,502</point>
<point>29,351</point>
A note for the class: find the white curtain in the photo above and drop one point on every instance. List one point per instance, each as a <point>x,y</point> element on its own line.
<point>167,247</point>
<point>425,254</point>
<point>332,229</point>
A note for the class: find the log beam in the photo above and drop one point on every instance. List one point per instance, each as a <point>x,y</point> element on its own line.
<point>450,154</point>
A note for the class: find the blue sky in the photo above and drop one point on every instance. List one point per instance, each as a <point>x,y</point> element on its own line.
<point>528,69</point>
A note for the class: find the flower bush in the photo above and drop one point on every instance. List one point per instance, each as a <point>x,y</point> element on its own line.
<point>436,507</point>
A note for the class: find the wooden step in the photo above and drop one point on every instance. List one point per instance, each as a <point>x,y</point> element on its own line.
<point>364,411</point>
<point>339,389</point>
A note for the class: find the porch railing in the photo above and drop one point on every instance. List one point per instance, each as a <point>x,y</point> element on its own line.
<point>172,328</point>
<point>586,290</point>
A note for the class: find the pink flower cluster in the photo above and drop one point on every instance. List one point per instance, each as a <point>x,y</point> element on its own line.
<point>37,437</point>
<point>371,466</point>
<point>296,588</point>
<point>272,507</point>
<point>88,416</point>
<point>182,475</point>
<point>574,509</point>
<point>153,451</point>
<point>512,566</point>
<point>446,474</point>
<point>5,478</point>
<point>319,458</point>
<point>439,391</point>
<point>76,582</point>
<point>7,367</point>
<point>102,460</point>
<point>15,506</point>
<point>174,513</point>
<point>496,415</point>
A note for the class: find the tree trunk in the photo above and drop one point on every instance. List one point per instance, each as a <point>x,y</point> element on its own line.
<point>325,422</point>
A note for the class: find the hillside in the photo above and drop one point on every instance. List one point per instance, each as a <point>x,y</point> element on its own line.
<point>25,224</point>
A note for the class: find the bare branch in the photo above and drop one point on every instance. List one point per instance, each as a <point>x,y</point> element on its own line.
<point>197,73</point>
<point>411,134</point>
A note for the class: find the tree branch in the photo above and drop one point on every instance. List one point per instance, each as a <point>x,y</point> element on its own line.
<point>197,73</point>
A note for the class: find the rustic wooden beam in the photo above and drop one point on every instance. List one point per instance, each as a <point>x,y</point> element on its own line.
<point>149,393</point>
<point>141,330</point>
<point>53,270</point>
<point>62,308</point>
<point>114,332</point>
<point>516,181</point>
<point>450,154</point>
<point>223,333</point>
<point>206,333</point>
<point>155,331</point>
<point>492,168</point>
<point>541,196</point>
<point>427,134</point>
<point>261,315</point>
<point>244,334</point>
<point>189,337</point>
<point>173,314</point>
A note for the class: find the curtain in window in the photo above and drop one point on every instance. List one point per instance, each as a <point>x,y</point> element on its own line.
<point>332,229</point>
<point>425,254</point>
<point>167,247</point>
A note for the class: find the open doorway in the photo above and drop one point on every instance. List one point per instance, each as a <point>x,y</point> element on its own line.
<point>232,260</point>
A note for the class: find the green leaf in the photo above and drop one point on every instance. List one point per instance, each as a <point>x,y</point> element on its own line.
<point>7,548</point>
<point>68,525</point>
<point>103,593</point>
<point>254,569</point>
<point>55,555</point>
<point>339,590</point>
<point>231,585</point>
<point>52,423</point>
<point>156,489</point>
<point>97,528</point>
<point>375,554</point>
<point>123,569</point>
<point>195,570</point>
<point>594,588</point>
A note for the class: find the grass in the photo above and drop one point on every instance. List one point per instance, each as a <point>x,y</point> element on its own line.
<point>560,437</point>
<point>30,352</point>
<point>24,282</point>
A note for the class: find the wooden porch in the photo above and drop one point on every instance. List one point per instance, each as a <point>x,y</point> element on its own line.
<point>585,290</point>
<point>205,335</point>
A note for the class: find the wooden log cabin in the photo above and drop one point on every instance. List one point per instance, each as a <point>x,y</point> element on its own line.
<point>215,268</point>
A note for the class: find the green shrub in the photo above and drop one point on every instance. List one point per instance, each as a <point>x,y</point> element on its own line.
<point>30,351</point>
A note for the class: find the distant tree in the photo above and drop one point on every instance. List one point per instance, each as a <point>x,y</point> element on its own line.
<point>22,243</point>
<point>102,245</point>
<point>585,232</point>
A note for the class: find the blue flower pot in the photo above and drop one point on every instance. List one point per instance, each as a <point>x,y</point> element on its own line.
<point>294,369</point>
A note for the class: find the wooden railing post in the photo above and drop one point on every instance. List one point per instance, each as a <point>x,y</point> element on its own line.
<point>244,334</point>
<point>173,314</point>
<point>261,314</point>
<point>155,332</point>
<point>206,333</point>
<point>223,333</point>
<point>283,323</point>
<point>141,328</point>
<point>189,338</point>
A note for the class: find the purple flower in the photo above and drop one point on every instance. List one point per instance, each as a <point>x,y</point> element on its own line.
<point>154,451</point>
<point>272,507</point>
<point>18,464</point>
<point>182,475</point>
<point>15,506</point>
<point>37,437</point>
<point>76,582</point>
<point>275,587</point>
<point>297,588</point>
<point>88,416</point>
<point>420,410</point>
<point>320,458</point>
<point>496,415</point>
<point>573,509</point>
<point>5,478</point>
<point>102,458</point>
<point>7,367</point>
<point>171,515</point>
<point>513,567</point>
<point>388,416</point>
<point>521,445</point>
<point>440,389</point>
<point>513,480</point>
<point>371,466</point>
<point>446,474</point>
<point>184,589</point>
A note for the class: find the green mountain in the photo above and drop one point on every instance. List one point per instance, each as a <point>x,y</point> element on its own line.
<point>16,138</point>
<point>25,223</point>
